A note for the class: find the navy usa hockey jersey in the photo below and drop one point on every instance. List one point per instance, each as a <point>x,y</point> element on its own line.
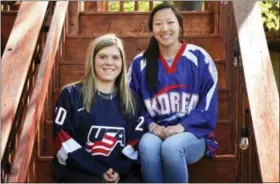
<point>97,140</point>
<point>186,92</point>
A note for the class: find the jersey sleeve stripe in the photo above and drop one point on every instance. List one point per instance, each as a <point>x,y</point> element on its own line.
<point>133,143</point>
<point>130,152</point>
<point>131,149</point>
<point>214,75</point>
<point>61,137</point>
<point>65,145</point>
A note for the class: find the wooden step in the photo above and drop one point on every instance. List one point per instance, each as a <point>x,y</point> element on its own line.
<point>208,168</point>
<point>72,72</point>
<point>222,132</point>
<point>218,170</point>
<point>136,24</point>
<point>76,46</point>
<point>224,109</point>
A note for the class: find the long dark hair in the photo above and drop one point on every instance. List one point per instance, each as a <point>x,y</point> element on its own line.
<point>151,54</point>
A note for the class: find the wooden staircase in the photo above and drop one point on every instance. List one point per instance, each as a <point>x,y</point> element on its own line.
<point>83,26</point>
<point>212,29</point>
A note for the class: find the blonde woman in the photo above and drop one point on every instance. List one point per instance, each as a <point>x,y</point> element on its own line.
<point>97,122</point>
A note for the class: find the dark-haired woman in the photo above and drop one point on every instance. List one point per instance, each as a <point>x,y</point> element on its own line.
<point>178,85</point>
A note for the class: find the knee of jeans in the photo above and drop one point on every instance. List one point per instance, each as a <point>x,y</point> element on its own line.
<point>149,143</point>
<point>170,147</point>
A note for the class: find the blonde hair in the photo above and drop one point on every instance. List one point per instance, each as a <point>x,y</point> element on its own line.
<point>89,79</point>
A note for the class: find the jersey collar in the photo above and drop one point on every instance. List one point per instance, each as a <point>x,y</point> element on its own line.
<point>172,68</point>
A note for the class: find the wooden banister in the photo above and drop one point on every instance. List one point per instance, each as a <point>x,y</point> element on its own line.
<point>16,61</point>
<point>261,87</point>
<point>35,108</point>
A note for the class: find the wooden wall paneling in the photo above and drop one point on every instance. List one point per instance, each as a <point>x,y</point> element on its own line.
<point>48,153</point>
<point>219,169</point>
<point>261,87</point>
<point>45,177</point>
<point>70,73</point>
<point>223,134</point>
<point>222,82</point>
<point>224,110</point>
<point>136,24</point>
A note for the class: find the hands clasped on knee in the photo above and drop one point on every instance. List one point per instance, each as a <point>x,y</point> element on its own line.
<point>165,132</point>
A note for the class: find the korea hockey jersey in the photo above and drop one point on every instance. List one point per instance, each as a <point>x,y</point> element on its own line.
<point>186,92</point>
<point>97,140</point>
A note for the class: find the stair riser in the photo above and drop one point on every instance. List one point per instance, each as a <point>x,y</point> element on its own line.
<point>76,47</point>
<point>137,24</point>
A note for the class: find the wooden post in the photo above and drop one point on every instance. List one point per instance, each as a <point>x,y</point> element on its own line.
<point>261,87</point>
<point>106,6</point>
<point>90,6</point>
<point>100,6</point>
<point>136,5</point>
<point>151,5</point>
<point>121,6</point>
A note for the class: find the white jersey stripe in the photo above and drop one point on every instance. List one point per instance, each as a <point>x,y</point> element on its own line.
<point>130,152</point>
<point>214,74</point>
<point>67,147</point>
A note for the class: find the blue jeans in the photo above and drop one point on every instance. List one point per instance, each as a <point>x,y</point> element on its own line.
<point>166,161</point>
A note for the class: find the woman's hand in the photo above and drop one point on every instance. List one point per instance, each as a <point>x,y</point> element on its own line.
<point>111,176</point>
<point>172,130</point>
<point>157,130</point>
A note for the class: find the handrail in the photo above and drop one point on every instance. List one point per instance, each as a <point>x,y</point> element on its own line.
<point>35,108</point>
<point>261,87</point>
<point>16,62</point>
